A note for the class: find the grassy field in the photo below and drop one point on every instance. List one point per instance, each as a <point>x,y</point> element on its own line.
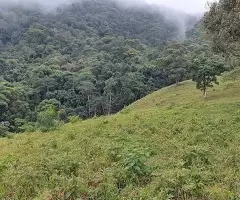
<point>172,144</point>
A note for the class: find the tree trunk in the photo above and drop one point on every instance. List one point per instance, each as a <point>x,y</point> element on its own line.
<point>89,108</point>
<point>110,104</point>
<point>205,87</point>
<point>205,93</point>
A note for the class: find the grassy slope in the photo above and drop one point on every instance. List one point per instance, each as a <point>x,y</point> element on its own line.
<point>192,144</point>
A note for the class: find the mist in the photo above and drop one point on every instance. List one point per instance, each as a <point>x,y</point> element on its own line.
<point>187,6</point>
<point>171,9</point>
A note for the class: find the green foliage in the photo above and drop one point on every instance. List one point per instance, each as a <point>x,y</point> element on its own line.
<point>62,115</point>
<point>196,158</point>
<point>134,163</point>
<point>3,130</point>
<point>28,127</point>
<point>49,104</point>
<point>46,119</point>
<point>204,77</point>
<point>131,167</point>
<point>88,59</point>
<point>233,75</point>
<point>222,24</point>
<point>13,105</point>
<point>190,151</point>
<point>205,73</point>
<point>74,119</point>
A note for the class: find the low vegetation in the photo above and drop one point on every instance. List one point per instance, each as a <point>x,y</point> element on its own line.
<point>173,144</point>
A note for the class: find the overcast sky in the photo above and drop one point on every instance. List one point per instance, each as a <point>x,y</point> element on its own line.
<point>190,6</point>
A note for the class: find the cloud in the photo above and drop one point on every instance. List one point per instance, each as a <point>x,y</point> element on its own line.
<point>48,4</point>
<point>171,9</point>
<point>188,6</point>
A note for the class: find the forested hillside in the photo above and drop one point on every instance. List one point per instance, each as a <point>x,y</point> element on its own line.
<point>62,71</point>
<point>86,59</point>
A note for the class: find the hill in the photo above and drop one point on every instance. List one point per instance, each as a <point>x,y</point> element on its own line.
<point>172,144</point>
<point>87,58</point>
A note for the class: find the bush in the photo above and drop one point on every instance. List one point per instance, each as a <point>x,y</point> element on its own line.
<point>46,120</point>
<point>4,129</point>
<point>130,166</point>
<point>232,75</point>
<point>24,126</point>
<point>28,127</point>
<point>62,115</point>
<point>74,119</point>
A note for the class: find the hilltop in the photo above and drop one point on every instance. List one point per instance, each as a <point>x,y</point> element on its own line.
<point>172,144</point>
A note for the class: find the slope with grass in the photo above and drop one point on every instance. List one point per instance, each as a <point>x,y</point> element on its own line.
<point>173,144</point>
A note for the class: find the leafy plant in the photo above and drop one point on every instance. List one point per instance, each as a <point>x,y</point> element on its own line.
<point>46,119</point>
<point>131,167</point>
<point>196,157</point>
<point>3,130</point>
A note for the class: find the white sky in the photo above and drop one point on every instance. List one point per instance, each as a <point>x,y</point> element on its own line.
<point>190,6</point>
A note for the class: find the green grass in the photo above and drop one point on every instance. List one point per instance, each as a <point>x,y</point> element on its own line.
<point>172,144</point>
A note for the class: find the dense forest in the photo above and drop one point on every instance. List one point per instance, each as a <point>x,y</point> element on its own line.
<point>88,59</point>
<point>65,73</point>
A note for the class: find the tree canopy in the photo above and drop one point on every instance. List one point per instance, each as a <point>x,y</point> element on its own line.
<point>223,25</point>
<point>91,58</point>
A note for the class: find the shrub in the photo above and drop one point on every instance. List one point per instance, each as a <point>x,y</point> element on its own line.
<point>62,115</point>
<point>74,119</point>
<point>28,127</point>
<point>130,166</point>
<point>197,157</point>
<point>3,129</point>
<point>46,120</point>
<point>23,126</point>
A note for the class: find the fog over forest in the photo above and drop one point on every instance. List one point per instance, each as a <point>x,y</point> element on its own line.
<point>166,8</point>
<point>188,6</point>
<point>93,57</point>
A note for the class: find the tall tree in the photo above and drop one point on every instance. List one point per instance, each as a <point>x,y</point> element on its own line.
<point>204,77</point>
<point>205,72</point>
<point>223,26</point>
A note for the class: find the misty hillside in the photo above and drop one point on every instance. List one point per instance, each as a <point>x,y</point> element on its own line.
<point>89,58</point>
<point>96,18</point>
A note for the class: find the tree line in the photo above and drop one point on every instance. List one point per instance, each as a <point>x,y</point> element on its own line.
<point>89,59</point>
